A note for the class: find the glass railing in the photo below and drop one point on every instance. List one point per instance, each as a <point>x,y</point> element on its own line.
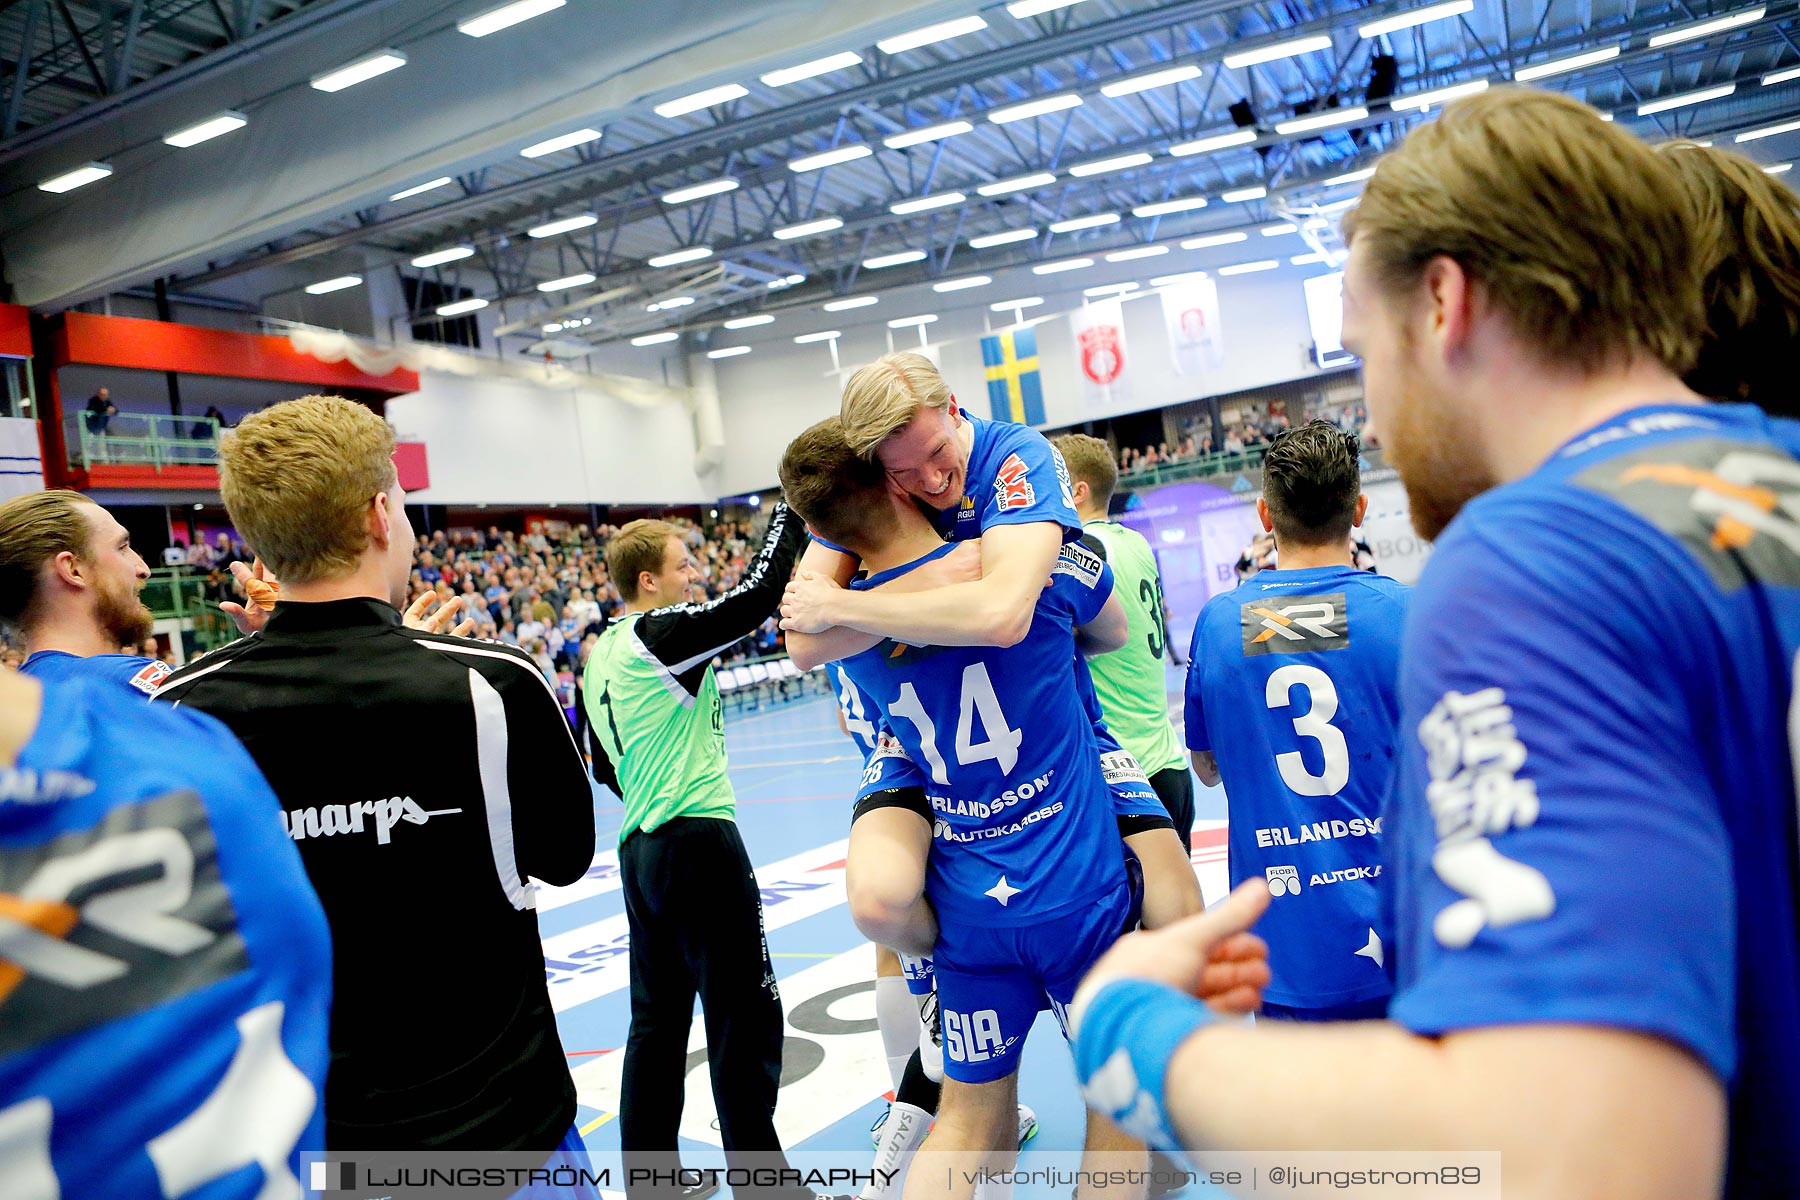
<point>179,594</point>
<point>1191,469</point>
<point>140,439</point>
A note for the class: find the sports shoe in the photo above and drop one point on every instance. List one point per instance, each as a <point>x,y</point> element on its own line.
<point>1028,1125</point>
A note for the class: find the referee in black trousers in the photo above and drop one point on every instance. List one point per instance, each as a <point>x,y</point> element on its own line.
<point>691,897</point>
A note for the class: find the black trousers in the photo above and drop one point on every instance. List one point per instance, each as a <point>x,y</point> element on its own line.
<point>1175,788</point>
<point>697,930</point>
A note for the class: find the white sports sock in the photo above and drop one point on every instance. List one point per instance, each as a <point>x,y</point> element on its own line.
<point>898,1016</point>
<point>905,1129</point>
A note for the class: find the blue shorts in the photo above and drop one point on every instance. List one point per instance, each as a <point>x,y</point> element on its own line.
<point>1359,1010</point>
<point>993,981</point>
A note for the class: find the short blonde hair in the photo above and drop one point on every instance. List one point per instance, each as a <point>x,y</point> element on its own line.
<point>34,529</point>
<point>1577,231</point>
<point>1090,460</point>
<point>298,478</point>
<point>640,546</point>
<point>883,396</point>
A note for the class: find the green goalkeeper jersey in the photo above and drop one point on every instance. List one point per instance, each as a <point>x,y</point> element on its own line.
<point>1130,681</point>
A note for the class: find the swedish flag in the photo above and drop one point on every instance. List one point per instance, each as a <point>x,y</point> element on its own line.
<point>1014,388</point>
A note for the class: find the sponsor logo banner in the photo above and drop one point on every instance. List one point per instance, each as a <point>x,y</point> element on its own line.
<point>1295,624</point>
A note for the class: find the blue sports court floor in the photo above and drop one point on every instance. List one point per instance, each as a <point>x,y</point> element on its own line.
<point>795,776</point>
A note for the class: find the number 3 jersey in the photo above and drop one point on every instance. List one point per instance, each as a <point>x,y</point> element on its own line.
<point>165,966</point>
<point>998,738</point>
<point>1293,685</point>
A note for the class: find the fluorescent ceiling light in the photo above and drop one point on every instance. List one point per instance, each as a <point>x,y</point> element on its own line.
<point>1424,100</point>
<point>1778,169</point>
<point>1418,16</point>
<point>676,302</point>
<point>1110,289</point>
<point>1267,264</point>
<point>1301,260</point>
<point>1220,141</point>
<point>207,130</point>
<point>333,285</point>
<point>566,225</point>
<point>1650,108</point>
<point>1122,163</point>
<point>1278,230</point>
<point>1752,135</point>
<point>1017,184</point>
<point>438,258</point>
<point>909,322</point>
<point>676,257</point>
<point>1027,302</point>
<point>852,302</point>
<point>926,203</point>
<point>506,16</point>
<point>457,308</point>
<point>1263,54</point>
<point>893,260</point>
<point>1707,28</point>
<point>829,335</point>
<point>786,281</point>
<point>1093,222</point>
<point>1213,239</point>
<point>1067,264</point>
<point>1574,62</point>
<point>1165,207</point>
<point>931,133</point>
<point>1607,117</point>
<point>553,327</point>
<point>961,285</point>
<point>750,322</point>
<point>1240,195</point>
<point>1031,8</point>
<point>818,66</point>
<point>941,32</point>
<point>1350,177</point>
<point>728,352</point>
<point>655,339</point>
<point>1781,76</point>
<point>682,105</point>
<point>1035,108</point>
<point>829,158</point>
<point>1325,120</point>
<point>420,189</point>
<point>712,187</point>
<point>807,228</point>
<point>81,176</point>
<point>360,71</point>
<point>1178,280</point>
<point>565,141</point>
<point>1136,252</point>
<point>566,282</point>
<point>1153,79</point>
<point>987,240</point>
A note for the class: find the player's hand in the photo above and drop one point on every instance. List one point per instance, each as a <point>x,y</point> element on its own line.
<point>805,606</point>
<point>441,621</point>
<point>1210,955</point>
<point>261,590</point>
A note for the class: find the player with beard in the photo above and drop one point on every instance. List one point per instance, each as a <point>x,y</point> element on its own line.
<point>69,583</point>
<point>1592,827</point>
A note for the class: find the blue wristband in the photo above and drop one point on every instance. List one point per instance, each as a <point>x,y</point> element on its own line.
<point>1128,1035</point>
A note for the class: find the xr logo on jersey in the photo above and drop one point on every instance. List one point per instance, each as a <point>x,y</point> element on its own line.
<point>1295,624</point>
<point>1013,485</point>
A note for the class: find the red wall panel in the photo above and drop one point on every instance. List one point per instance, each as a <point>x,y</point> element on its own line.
<point>163,346</point>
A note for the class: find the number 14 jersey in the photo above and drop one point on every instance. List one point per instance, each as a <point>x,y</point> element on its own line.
<point>1293,685</point>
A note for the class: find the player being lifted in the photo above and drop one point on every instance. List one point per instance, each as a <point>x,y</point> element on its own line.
<point>1292,697</point>
<point>1027,876</point>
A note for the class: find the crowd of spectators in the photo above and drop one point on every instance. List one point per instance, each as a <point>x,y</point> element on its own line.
<point>1242,435</point>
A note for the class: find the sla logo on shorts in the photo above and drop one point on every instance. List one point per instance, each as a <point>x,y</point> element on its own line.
<point>974,1037</point>
<point>1012,485</point>
<point>1283,881</point>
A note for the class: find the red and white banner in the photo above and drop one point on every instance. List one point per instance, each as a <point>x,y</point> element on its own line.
<point>1101,355</point>
<point>1191,313</point>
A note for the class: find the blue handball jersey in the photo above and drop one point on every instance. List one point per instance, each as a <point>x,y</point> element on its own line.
<point>858,718</point>
<point>1293,684</point>
<point>1593,818</point>
<point>1015,477</point>
<point>166,979</point>
<point>53,666</point>
<point>1000,742</point>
